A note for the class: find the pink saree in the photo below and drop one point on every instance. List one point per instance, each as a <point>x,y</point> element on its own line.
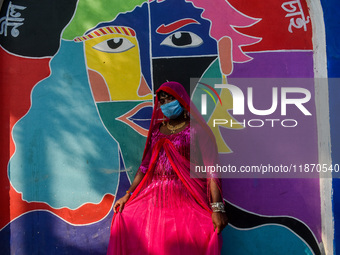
<point>169,212</point>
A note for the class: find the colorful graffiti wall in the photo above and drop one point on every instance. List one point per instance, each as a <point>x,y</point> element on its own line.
<point>77,83</point>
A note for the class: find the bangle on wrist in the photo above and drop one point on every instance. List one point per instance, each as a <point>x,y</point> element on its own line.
<point>129,192</point>
<point>218,207</point>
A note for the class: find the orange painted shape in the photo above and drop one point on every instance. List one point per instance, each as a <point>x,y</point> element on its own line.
<point>225,55</point>
<point>98,86</point>
<point>85,214</point>
<point>143,89</point>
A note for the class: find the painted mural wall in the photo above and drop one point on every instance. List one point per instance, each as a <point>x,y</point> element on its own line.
<point>77,82</point>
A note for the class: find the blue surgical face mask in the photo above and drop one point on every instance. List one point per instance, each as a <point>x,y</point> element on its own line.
<point>172,110</point>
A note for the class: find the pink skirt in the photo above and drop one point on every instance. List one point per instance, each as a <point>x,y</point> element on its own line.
<point>163,219</point>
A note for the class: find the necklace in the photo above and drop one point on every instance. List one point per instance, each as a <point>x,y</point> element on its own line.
<point>174,128</point>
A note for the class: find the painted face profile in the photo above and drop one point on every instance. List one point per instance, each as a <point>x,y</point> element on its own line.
<point>113,64</point>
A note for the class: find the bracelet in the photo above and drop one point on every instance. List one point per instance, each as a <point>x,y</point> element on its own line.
<point>129,192</point>
<point>218,207</point>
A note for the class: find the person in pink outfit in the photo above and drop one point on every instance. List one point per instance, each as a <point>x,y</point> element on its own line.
<point>165,211</point>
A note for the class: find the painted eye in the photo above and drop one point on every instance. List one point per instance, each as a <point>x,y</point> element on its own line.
<point>182,40</point>
<point>114,45</point>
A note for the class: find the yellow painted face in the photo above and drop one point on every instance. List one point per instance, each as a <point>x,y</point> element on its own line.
<point>116,58</point>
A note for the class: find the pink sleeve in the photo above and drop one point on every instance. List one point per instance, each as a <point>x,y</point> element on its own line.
<point>146,161</point>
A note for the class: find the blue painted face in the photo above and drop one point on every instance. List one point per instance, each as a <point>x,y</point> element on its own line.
<point>172,110</point>
<point>181,32</point>
<point>181,44</point>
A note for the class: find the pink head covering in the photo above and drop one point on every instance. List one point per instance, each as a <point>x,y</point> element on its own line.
<point>178,92</point>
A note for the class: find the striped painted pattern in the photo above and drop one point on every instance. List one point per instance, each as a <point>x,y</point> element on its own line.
<point>106,31</point>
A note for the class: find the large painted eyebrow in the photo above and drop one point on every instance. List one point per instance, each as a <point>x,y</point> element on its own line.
<point>166,29</point>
